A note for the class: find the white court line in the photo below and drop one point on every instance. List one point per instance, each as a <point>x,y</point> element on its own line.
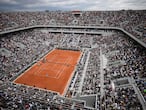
<point>62,70</point>
<point>36,64</point>
<point>53,68</point>
<point>53,58</point>
<point>38,71</point>
<point>47,54</point>
<point>24,72</point>
<point>60,73</point>
<point>48,76</point>
<point>39,88</point>
<point>41,68</point>
<point>32,66</point>
<point>72,74</point>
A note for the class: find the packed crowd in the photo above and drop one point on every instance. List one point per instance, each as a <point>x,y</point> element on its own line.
<point>24,48</point>
<point>121,99</point>
<point>142,86</point>
<point>127,61</point>
<point>28,46</point>
<point>76,80</point>
<point>132,21</point>
<point>92,78</point>
<point>130,58</point>
<point>20,97</point>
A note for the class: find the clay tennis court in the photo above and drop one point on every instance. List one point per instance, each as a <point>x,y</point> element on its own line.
<point>53,72</point>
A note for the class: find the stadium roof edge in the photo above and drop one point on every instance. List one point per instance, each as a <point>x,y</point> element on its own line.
<point>71,26</point>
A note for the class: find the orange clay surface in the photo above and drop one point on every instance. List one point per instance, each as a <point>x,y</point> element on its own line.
<point>53,72</point>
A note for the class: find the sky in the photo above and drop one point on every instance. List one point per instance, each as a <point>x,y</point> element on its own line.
<point>70,5</point>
